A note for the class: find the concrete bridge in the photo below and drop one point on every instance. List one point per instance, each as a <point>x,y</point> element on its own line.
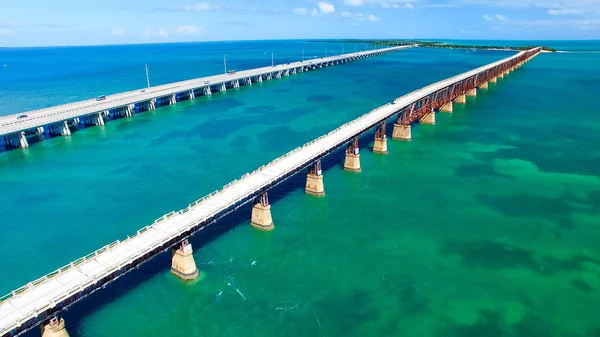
<point>41,300</point>
<point>63,119</point>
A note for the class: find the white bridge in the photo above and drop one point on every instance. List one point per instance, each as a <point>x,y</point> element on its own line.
<point>61,119</point>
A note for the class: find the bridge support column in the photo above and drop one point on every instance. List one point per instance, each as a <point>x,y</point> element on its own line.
<point>314,181</point>
<point>173,99</point>
<point>493,80</point>
<point>402,132</point>
<point>207,91</point>
<point>192,95</point>
<point>428,119</point>
<point>501,75</point>
<point>462,99</point>
<point>261,214</point>
<point>23,140</point>
<point>448,107</point>
<point>236,85</point>
<point>249,81</point>
<point>472,92</point>
<point>182,263</point>
<point>152,104</point>
<point>65,129</point>
<point>352,161</point>
<point>380,142</point>
<point>484,85</point>
<point>129,109</point>
<point>99,119</point>
<point>55,328</point>
<point>260,79</point>
<point>223,87</point>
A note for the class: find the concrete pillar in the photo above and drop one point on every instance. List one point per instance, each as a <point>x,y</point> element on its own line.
<point>223,87</point>
<point>249,81</point>
<point>380,145</point>
<point>23,140</point>
<point>501,75</point>
<point>99,119</point>
<point>493,80</point>
<point>260,79</point>
<point>314,181</point>
<point>380,142</point>
<point>173,99</point>
<point>428,119</point>
<point>207,91</point>
<point>55,328</point>
<point>484,85</point>
<point>472,92</point>
<point>192,95</point>
<point>352,161</point>
<point>261,214</point>
<point>402,132</point>
<point>462,99</point>
<point>65,129</point>
<point>182,263</point>
<point>448,107</point>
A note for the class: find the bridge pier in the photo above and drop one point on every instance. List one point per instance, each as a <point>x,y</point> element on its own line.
<point>152,104</point>
<point>192,95</point>
<point>501,75</point>
<point>223,87</point>
<point>261,214</point>
<point>428,118</point>
<point>23,140</point>
<point>484,85</point>
<point>380,142</point>
<point>64,130</point>
<point>55,328</point>
<point>207,91</point>
<point>493,80</point>
<point>461,99</point>
<point>314,180</point>
<point>182,263</point>
<point>260,79</point>
<point>249,81</point>
<point>402,132</point>
<point>448,107</point>
<point>472,92</point>
<point>352,160</point>
<point>99,119</point>
<point>173,99</point>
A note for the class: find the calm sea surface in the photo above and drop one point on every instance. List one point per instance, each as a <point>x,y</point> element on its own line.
<point>486,224</point>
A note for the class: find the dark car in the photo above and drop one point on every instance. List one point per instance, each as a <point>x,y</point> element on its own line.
<point>100,98</point>
<point>22,116</point>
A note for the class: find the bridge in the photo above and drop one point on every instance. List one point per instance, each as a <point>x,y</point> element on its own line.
<point>41,300</point>
<point>61,120</point>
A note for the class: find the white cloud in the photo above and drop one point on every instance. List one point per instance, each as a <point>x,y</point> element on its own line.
<point>189,29</point>
<point>200,7</point>
<point>409,6</point>
<point>156,33</point>
<point>354,2</point>
<point>492,18</point>
<point>300,11</point>
<point>373,18</point>
<point>388,5</point>
<point>6,32</point>
<point>355,16</point>
<point>324,8</point>
<point>118,32</point>
<point>565,11</point>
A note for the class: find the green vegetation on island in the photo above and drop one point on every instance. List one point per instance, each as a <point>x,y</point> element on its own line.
<point>432,44</point>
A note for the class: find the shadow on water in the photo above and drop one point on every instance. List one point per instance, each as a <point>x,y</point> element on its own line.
<point>76,314</point>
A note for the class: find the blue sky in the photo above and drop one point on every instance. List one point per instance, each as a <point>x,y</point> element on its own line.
<point>81,22</point>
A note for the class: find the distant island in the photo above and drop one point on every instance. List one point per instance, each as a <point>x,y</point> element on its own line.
<point>432,44</point>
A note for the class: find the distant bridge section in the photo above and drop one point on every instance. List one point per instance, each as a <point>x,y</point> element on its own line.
<point>61,120</point>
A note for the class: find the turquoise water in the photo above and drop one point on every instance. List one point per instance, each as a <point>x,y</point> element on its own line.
<point>484,225</point>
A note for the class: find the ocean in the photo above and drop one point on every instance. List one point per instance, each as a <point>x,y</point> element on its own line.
<point>485,224</point>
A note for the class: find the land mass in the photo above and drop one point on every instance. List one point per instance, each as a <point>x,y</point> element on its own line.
<point>433,44</point>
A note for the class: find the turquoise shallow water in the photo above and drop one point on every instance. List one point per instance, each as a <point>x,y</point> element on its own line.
<point>483,225</point>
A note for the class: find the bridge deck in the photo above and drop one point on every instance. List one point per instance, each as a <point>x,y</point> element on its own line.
<point>26,302</point>
<point>36,118</point>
